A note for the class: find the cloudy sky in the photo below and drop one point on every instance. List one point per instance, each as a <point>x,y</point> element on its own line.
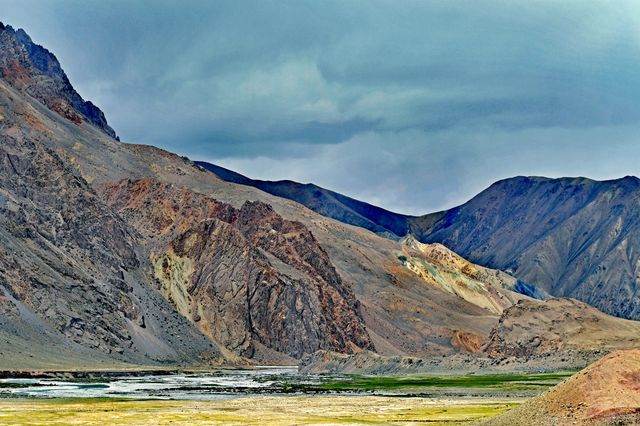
<point>411,105</point>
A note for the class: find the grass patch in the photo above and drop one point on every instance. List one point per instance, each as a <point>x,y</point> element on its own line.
<point>389,383</point>
<point>11,385</point>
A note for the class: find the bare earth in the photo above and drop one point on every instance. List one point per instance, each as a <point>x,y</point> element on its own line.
<point>605,393</point>
<point>298,410</point>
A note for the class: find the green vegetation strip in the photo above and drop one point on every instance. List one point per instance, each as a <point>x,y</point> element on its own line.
<point>381,383</point>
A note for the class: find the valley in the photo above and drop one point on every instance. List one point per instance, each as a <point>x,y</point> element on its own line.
<point>138,286</point>
<point>265,396</point>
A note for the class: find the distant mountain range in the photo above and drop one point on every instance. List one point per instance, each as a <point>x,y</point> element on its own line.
<point>572,237</point>
<point>567,237</point>
<point>323,201</point>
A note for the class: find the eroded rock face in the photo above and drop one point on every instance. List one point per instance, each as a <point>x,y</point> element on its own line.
<point>438,266</point>
<point>72,262</point>
<point>34,70</point>
<point>246,277</point>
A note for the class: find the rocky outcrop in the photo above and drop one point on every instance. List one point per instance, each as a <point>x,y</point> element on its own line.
<point>32,69</point>
<point>71,264</point>
<point>246,277</point>
<point>531,329</point>
<point>438,266</point>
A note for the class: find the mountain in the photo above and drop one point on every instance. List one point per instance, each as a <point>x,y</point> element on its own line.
<point>605,393</point>
<point>121,253</point>
<point>33,70</point>
<point>77,270</point>
<point>323,201</point>
<point>571,237</point>
<point>567,237</point>
<point>216,263</point>
<point>118,253</point>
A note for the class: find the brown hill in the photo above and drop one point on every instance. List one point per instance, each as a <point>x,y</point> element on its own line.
<point>559,327</point>
<point>605,393</point>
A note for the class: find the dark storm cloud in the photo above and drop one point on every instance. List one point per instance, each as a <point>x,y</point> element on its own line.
<point>414,105</point>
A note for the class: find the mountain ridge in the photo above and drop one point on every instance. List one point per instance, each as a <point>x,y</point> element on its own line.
<point>36,71</point>
<point>485,234</point>
<point>572,237</point>
<point>323,201</point>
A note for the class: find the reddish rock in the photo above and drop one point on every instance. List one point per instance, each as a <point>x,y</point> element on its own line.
<point>246,277</point>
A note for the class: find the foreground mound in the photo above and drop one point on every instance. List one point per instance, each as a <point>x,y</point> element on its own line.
<point>605,393</point>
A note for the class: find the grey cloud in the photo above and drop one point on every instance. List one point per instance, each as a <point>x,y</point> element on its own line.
<point>413,98</point>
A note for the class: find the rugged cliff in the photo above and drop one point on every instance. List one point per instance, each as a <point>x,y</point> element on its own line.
<point>71,267</point>
<point>246,277</point>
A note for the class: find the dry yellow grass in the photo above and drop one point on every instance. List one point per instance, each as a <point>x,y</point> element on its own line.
<point>298,410</point>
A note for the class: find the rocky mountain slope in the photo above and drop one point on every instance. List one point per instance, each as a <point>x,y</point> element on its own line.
<point>605,393</point>
<point>70,268</point>
<point>246,277</point>
<point>195,268</point>
<point>131,253</point>
<point>33,70</point>
<point>521,226</point>
<point>323,201</point>
<point>572,237</point>
<point>518,225</point>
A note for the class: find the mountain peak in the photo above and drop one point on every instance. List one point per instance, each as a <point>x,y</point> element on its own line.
<point>516,223</point>
<point>32,69</point>
<point>631,181</point>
